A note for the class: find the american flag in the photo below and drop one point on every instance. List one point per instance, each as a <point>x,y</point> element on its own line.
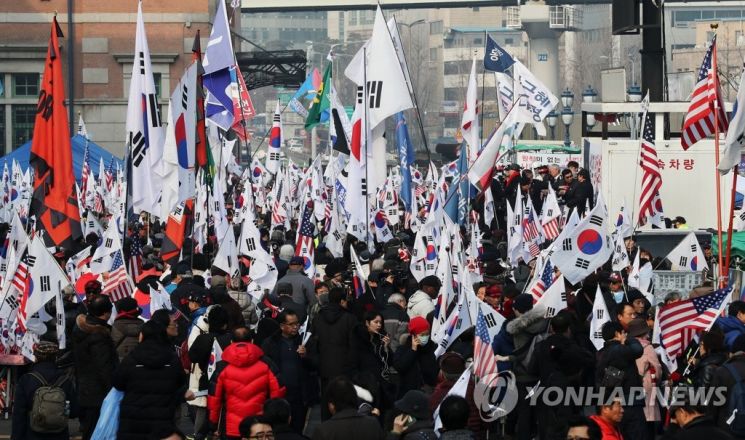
<point>84,177</point>
<point>551,229</point>
<point>651,177</point>
<point>304,246</point>
<point>110,176</point>
<point>118,285</point>
<point>705,100</point>
<point>678,321</point>
<point>20,282</point>
<point>543,283</point>
<point>484,361</point>
<point>135,255</point>
<point>530,229</point>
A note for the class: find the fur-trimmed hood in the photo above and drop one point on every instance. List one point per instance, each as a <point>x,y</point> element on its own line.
<point>92,325</point>
<point>532,322</point>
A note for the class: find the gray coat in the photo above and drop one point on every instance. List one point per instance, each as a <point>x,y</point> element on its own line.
<point>303,289</point>
<point>125,333</point>
<point>523,329</point>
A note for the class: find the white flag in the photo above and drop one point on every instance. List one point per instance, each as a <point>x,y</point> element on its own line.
<point>687,255</point>
<point>180,143</point>
<point>144,128</point>
<point>489,210</point>
<point>554,299</point>
<point>623,224</point>
<point>620,256</point>
<point>457,322</point>
<point>387,91</point>
<point>600,316</point>
<point>227,255</point>
<point>60,318</point>
<point>470,121</point>
<point>460,388</point>
<point>276,140</point>
<point>46,278</point>
<point>535,101</point>
<point>588,246</point>
<point>215,357</point>
<point>103,257</point>
<point>735,139</point>
<point>82,131</point>
<point>481,170</point>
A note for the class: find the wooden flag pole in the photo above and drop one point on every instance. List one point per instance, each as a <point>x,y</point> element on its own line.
<point>731,216</point>
<point>722,281</point>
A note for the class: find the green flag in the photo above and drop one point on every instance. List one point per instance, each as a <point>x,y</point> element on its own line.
<point>319,109</point>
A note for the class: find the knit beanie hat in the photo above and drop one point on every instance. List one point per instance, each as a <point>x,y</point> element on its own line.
<point>418,325</point>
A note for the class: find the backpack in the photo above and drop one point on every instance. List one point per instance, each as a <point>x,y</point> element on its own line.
<point>183,355</point>
<point>49,411</point>
<point>736,421</point>
<point>612,377</point>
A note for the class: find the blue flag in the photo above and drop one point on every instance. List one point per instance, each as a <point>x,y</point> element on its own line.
<point>305,94</point>
<point>406,159</point>
<point>219,71</point>
<point>496,59</point>
<point>458,193</point>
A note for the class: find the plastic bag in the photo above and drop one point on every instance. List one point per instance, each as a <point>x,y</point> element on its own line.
<point>108,421</point>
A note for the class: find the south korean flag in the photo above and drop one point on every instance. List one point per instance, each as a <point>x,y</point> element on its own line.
<point>588,247</point>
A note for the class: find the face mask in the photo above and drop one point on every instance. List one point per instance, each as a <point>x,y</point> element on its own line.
<point>424,339</point>
<point>618,296</point>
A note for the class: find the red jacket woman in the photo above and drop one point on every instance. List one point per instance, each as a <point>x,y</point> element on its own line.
<point>243,386</point>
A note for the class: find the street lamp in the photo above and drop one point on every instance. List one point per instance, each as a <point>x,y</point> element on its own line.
<point>409,26</point>
<point>567,116</point>
<point>634,93</point>
<point>552,119</point>
<point>567,98</point>
<point>589,95</point>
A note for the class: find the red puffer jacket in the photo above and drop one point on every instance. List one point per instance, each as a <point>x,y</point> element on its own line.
<point>244,385</point>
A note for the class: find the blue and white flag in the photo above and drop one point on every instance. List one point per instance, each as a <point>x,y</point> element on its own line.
<point>306,93</point>
<point>220,78</point>
<point>406,159</point>
<point>496,58</point>
<point>735,139</point>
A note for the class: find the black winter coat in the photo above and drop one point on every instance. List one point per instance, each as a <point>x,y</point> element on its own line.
<point>24,400</point>
<point>272,348</point>
<point>201,350</point>
<point>180,295</point>
<point>372,355</point>
<point>703,374</point>
<point>333,344</point>
<point>153,383</point>
<point>703,428</point>
<point>416,368</point>
<point>559,361</point>
<point>347,424</point>
<point>95,359</point>
<point>622,357</point>
<point>723,378</point>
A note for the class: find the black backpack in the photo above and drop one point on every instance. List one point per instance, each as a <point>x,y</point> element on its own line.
<point>49,410</point>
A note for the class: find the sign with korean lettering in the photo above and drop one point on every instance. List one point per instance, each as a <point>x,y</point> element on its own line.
<point>533,97</point>
<point>530,160</point>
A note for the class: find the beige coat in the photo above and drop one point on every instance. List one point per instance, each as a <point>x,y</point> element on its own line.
<point>645,364</point>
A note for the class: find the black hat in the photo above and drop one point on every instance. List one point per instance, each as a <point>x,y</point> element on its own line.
<point>127,304</point>
<point>414,403</point>
<point>431,281</point>
<point>297,260</point>
<point>523,302</point>
<point>198,298</point>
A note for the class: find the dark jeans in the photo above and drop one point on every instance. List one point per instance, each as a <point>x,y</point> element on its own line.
<point>634,424</point>
<point>526,414</point>
<point>88,418</point>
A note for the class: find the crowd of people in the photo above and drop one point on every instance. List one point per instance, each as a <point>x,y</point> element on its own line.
<point>243,367</point>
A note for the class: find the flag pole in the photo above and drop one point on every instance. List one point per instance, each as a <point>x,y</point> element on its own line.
<point>731,216</point>
<point>716,172</point>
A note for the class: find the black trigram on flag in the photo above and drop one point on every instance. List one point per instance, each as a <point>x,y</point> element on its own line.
<point>597,335</point>
<point>109,242</point>
<point>363,186</point>
<point>337,235</point>
<point>490,321</point>
<point>184,96</point>
<point>683,261</point>
<point>596,220</point>
<point>694,247</point>
<point>139,148</point>
<point>374,91</point>
<point>550,312</point>
<point>564,296</point>
<point>12,302</point>
<point>567,244</point>
<point>142,63</point>
<point>273,156</point>
<point>30,260</point>
<point>90,223</point>
<point>251,244</point>
<point>599,314</point>
<point>549,212</point>
<point>582,263</point>
<point>177,211</point>
<point>360,94</point>
<point>45,283</point>
<point>154,110</point>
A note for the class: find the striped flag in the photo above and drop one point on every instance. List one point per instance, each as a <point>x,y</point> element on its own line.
<point>677,320</point>
<point>542,283</point>
<point>705,101</point>
<point>135,255</point>
<point>484,361</point>
<point>118,285</point>
<point>651,178</point>
<point>551,216</point>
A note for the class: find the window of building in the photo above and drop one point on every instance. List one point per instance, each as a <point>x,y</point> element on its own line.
<point>23,123</point>
<point>353,18</point>
<point>509,41</point>
<point>478,41</point>
<point>435,27</point>
<point>2,88</point>
<point>433,54</point>
<point>157,79</point>
<point>2,127</point>
<point>25,84</point>
<point>452,94</point>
